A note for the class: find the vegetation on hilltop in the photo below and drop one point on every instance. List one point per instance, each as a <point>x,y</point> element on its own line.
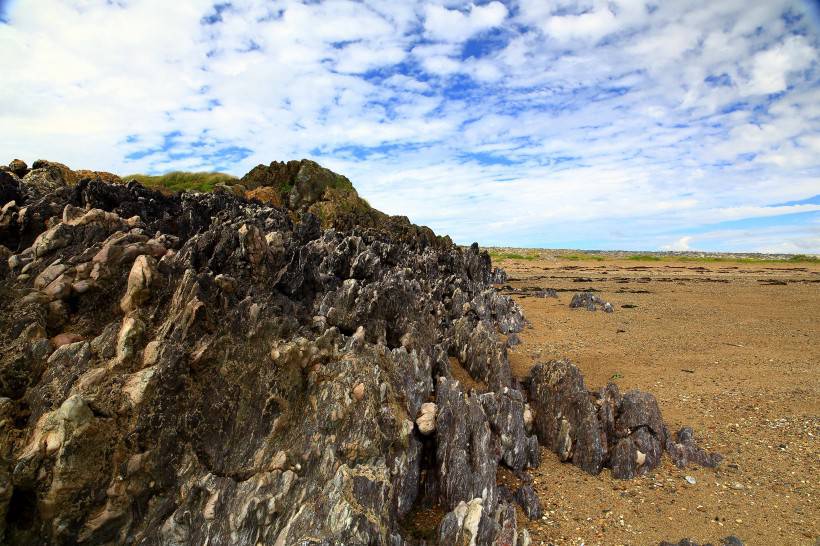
<point>184,181</point>
<point>500,256</point>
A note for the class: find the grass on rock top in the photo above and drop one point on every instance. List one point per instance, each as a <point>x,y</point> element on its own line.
<point>184,181</point>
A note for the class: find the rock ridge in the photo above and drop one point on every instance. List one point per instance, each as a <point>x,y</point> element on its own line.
<point>193,368</point>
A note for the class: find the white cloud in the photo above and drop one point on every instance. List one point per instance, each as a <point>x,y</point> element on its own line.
<point>771,68</point>
<point>359,57</point>
<point>594,123</point>
<point>455,25</point>
<point>774,239</point>
<point>680,244</point>
<point>591,25</point>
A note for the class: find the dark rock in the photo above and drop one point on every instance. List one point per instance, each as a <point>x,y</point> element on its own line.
<point>5,254</point>
<point>498,276</point>
<point>728,541</point>
<point>9,188</point>
<point>513,340</point>
<point>526,498</point>
<point>18,167</point>
<point>566,420</point>
<point>465,451</point>
<point>683,449</point>
<point>596,430</point>
<point>732,540</point>
<point>505,413</point>
<point>641,435</point>
<point>590,302</point>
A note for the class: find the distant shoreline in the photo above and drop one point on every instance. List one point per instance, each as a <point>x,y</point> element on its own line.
<point>521,253</point>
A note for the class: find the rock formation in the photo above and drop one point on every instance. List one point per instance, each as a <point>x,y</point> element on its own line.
<point>275,367</point>
<point>594,430</point>
<point>590,302</point>
<point>192,368</point>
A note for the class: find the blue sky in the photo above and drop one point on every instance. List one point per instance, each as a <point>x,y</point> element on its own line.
<point>612,125</point>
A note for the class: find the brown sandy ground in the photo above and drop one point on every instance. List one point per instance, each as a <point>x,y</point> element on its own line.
<point>731,349</point>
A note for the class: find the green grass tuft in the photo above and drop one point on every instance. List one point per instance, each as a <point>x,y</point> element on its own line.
<point>183,181</point>
<point>500,256</point>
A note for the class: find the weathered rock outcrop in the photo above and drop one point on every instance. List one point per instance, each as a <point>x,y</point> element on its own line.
<point>601,429</point>
<point>305,186</point>
<point>203,368</point>
<point>590,302</point>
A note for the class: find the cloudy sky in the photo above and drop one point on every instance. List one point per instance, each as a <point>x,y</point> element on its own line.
<point>623,124</point>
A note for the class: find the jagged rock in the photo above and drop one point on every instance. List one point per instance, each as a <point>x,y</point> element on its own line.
<point>590,302</point>
<point>683,449</point>
<point>565,416</point>
<point>100,176</point>
<point>481,352</point>
<point>263,382</point>
<point>266,194</point>
<point>45,176</point>
<point>18,167</point>
<point>142,276</point>
<point>226,283</point>
<point>641,430</point>
<point>527,418</point>
<point>604,429</point>
<point>513,340</point>
<point>471,524</point>
<point>129,336</point>
<point>465,525</point>
<point>526,498</point>
<point>505,413</point>
<point>465,447</point>
<point>498,276</point>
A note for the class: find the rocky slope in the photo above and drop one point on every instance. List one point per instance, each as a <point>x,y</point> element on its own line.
<point>222,369</point>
